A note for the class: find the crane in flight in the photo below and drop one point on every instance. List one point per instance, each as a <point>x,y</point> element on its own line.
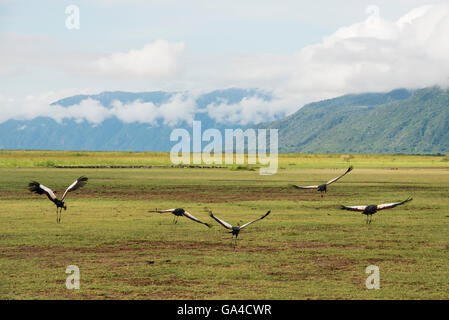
<point>323,187</point>
<point>235,230</point>
<point>38,188</point>
<point>179,212</point>
<point>373,208</point>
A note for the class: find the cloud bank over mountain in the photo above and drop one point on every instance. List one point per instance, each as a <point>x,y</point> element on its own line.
<point>178,108</point>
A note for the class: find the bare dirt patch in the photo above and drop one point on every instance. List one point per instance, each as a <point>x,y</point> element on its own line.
<point>321,245</point>
<point>145,250</point>
<point>333,263</point>
<point>193,193</point>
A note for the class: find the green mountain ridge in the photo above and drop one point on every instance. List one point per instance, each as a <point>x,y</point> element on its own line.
<point>400,121</point>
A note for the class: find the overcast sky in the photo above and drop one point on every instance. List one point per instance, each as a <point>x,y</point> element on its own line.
<point>301,51</point>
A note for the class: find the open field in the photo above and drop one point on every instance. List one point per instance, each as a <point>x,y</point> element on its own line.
<point>306,249</point>
<point>18,158</point>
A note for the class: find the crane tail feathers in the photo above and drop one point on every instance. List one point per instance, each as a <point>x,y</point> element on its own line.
<point>35,187</point>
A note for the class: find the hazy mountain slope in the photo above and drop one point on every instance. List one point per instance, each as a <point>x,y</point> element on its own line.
<point>112,134</point>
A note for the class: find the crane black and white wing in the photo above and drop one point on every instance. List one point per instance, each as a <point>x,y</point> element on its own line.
<point>378,207</point>
<point>392,205</point>
<point>222,222</point>
<point>38,188</point>
<point>354,208</point>
<point>340,176</point>
<point>80,182</point>
<point>163,211</point>
<point>327,183</point>
<point>191,217</point>
<point>247,224</point>
<point>304,187</point>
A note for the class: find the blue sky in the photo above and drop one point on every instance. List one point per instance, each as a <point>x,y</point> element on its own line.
<point>220,26</point>
<point>300,50</point>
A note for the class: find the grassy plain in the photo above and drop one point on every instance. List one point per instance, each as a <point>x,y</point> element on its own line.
<point>36,158</point>
<point>306,249</point>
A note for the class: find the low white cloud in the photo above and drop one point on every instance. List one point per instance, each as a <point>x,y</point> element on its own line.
<point>249,110</point>
<point>160,59</point>
<point>32,107</point>
<point>178,108</point>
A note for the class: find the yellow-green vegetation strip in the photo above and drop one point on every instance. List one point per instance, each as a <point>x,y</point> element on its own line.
<point>37,158</point>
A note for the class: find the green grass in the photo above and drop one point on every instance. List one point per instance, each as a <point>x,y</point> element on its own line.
<point>18,158</point>
<point>306,249</point>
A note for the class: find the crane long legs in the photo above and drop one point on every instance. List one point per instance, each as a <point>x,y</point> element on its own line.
<point>234,241</point>
<point>58,214</point>
<point>368,218</point>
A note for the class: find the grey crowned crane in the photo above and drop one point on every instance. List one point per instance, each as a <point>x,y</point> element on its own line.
<point>181,212</point>
<point>235,230</point>
<point>38,188</point>
<point>373,208</point>
<point>323,187</point>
